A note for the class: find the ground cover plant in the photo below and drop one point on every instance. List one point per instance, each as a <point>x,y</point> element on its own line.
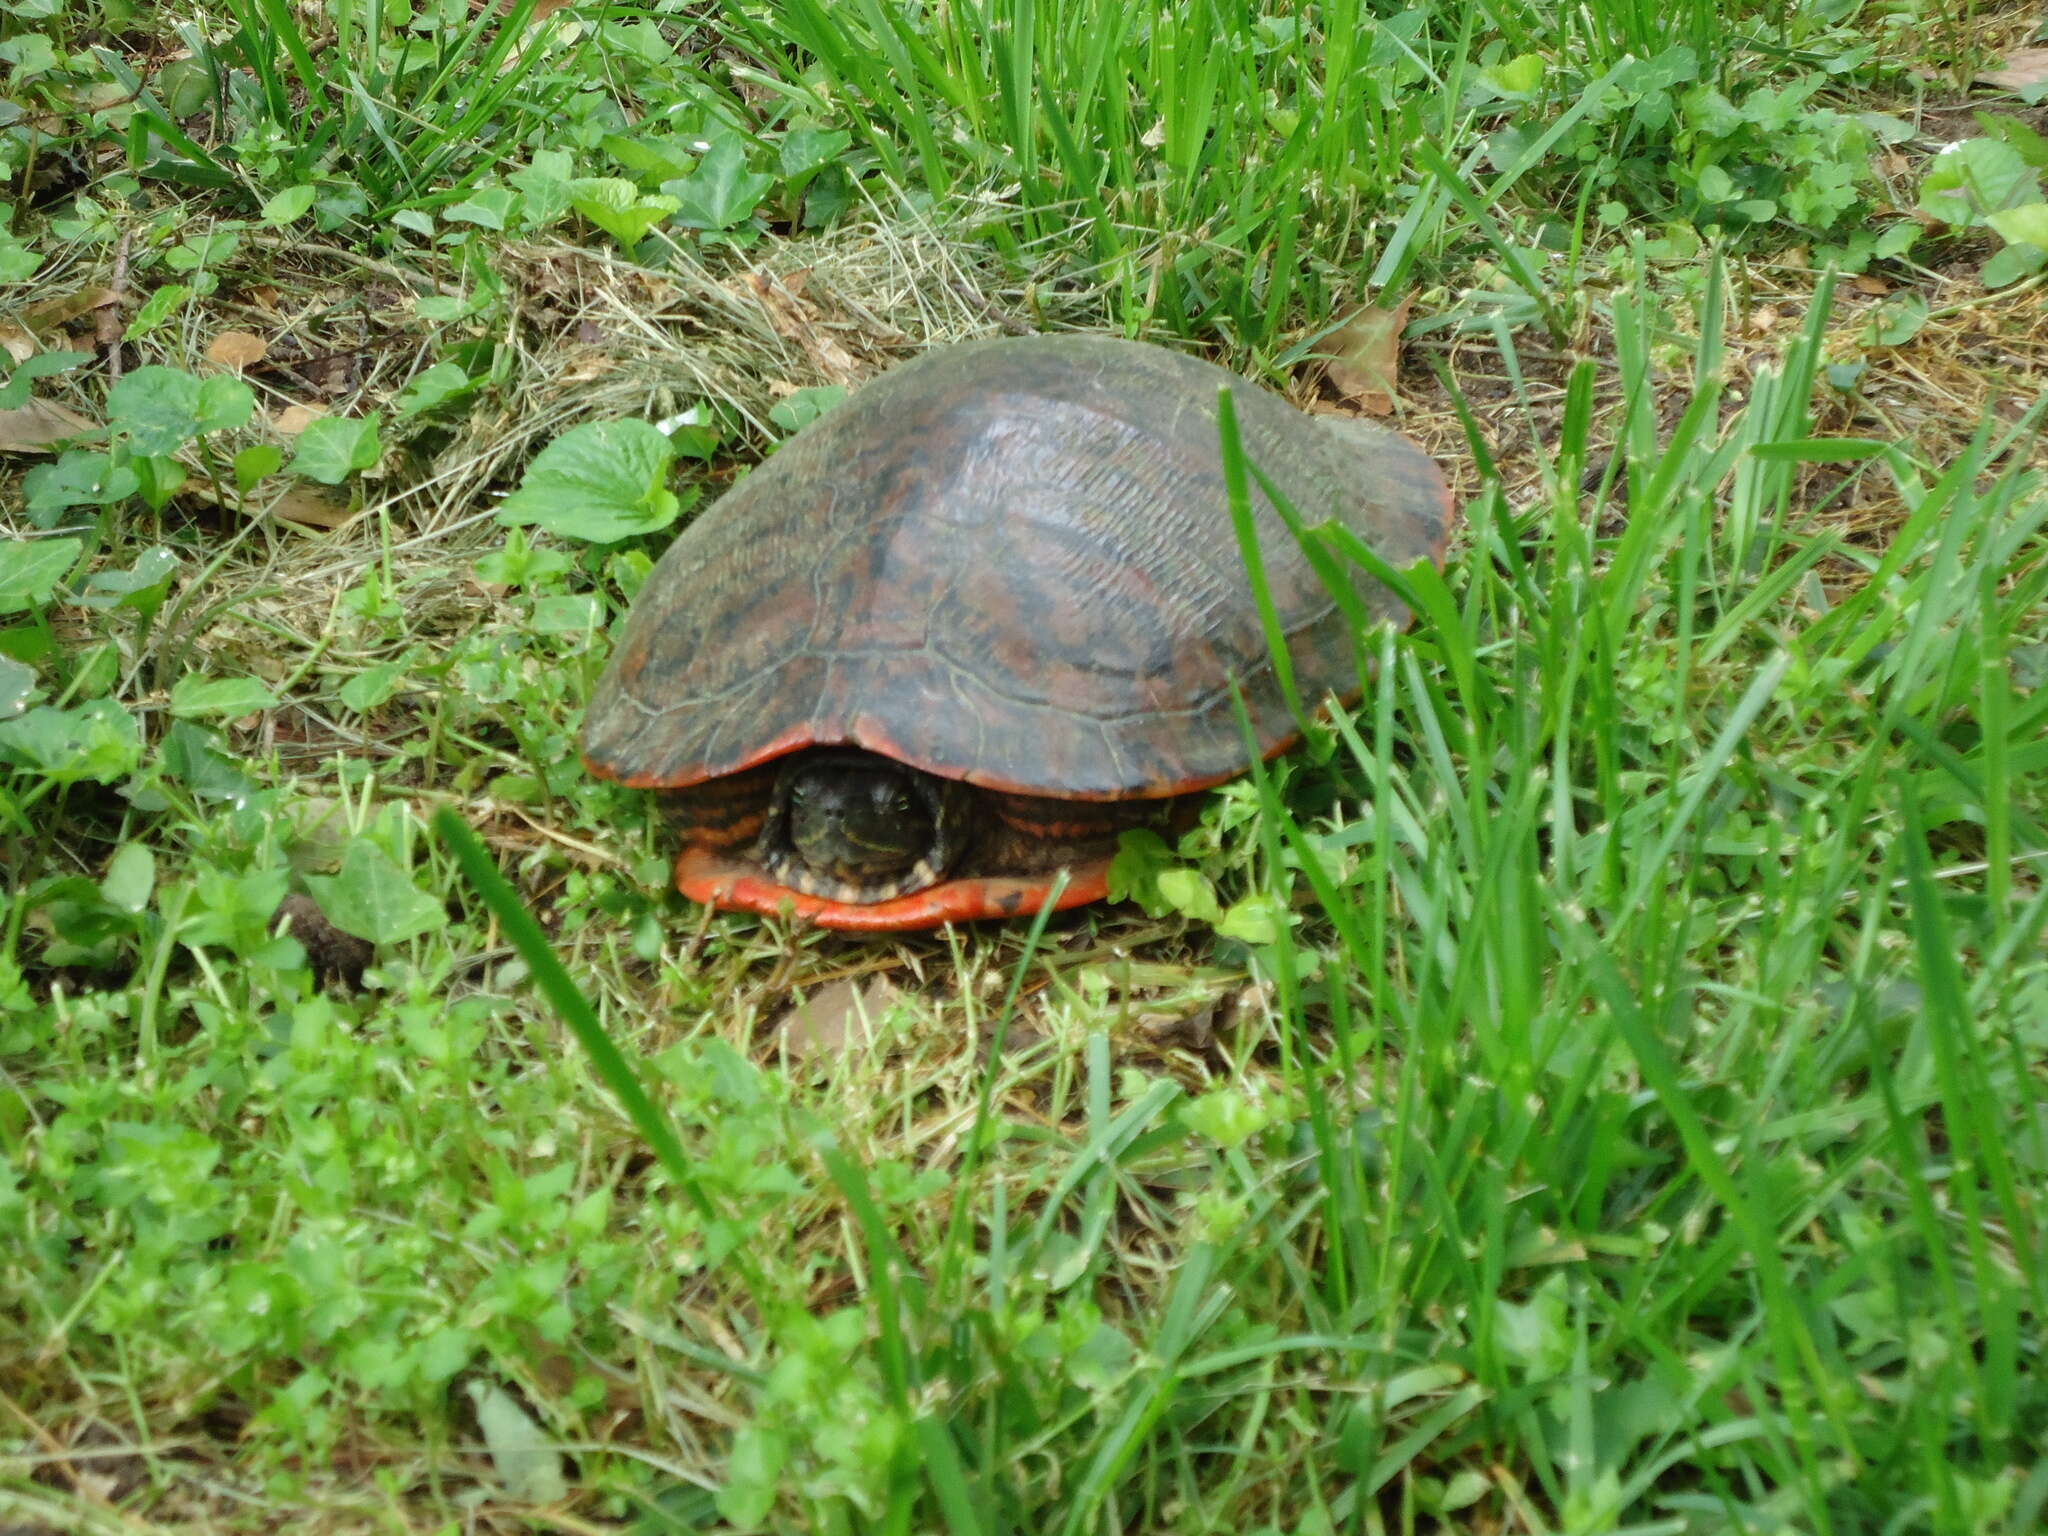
<point>1594,1085</point>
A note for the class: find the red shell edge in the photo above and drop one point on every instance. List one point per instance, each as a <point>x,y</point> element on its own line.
<point>704,877</point>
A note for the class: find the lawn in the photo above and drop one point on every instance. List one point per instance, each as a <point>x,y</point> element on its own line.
<point>1599,1083</point>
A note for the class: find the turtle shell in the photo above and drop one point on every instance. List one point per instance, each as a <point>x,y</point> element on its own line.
<point>1009,562</point>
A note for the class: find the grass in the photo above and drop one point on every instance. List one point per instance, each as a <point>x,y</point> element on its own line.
<point>1594,1085</point>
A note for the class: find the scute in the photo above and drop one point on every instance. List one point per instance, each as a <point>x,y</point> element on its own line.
<point>1007,562</point>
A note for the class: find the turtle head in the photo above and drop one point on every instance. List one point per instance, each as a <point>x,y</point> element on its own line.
<point>856,826</point>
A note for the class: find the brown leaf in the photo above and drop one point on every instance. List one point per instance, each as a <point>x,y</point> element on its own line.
<point>1364,357</point>
<point>238,349</point>
<point>17,342</point>
<point>312,506</point>
<point>38,426</point>
<point>834,1016</point>
<point>1871,285</point>
<point>50,313</point>
<point>294,419</point>
<point>592,365</point>
<point>2022,67</point>
<point>795,319</point>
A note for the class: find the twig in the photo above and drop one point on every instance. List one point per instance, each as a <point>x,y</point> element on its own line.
<point>418,281</point>
<point>109,324</point>
<point>1009,323</point>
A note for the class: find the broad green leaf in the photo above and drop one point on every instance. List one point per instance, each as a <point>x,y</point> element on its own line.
<point>618,207</point>
<point>1189,892</point>
<point>523,1455</point>
<point>1519,76</point>
<point>161,304</point>
<point>602,482</point>
<point>374,899</point>
<point>807,149</point>
<point>80,477</point>
<point>17,686</point>
<point>30,54</point>
<point>572,613</point>
<point>155,408</point>
<point>195,697</point>
<point>1974,177</point>
<point>1252,920</point>
<point>721,193</point>
<point>335,447</point>
<point>292,203</point>
<point>96,740</point>
<point>434,386</point>
<point>800,408</point>
<point>367,689</point>
<point>255,463</point>
<point>2011,264</point>
<point>491,207</point>
<point>1536,1335</point>
<point>2024,225</point>
<point>1897,321</point>
<point>142,586</point>
<point>225,402</point>
<point>130,878</point>
<point>544,185</point>
<point>18,262</point>
<point>30,570</point>
<point>16,390</point>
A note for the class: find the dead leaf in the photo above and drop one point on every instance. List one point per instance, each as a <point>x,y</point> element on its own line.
<point>294,419</point>
<point>238,349</point>
<point>312,506</point>
<point>593,365</point>
<point>62,310</point>
<point>1871,285</point>
<point>1363,357</point>
<point>824,1023</point>
<point>795,319</point>
<point>18,343</point>
<point>38,426</point>
<point>2022,67</point>
<point>1763,320</point>
<point>1189,1031</point>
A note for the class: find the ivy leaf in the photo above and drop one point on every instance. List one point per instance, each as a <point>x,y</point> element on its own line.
<point>335,447</point>
<point>373,898</point>
<point>809,149</point>
<point>721,192</point>
<point>618,207</point>
<point>602,482</point>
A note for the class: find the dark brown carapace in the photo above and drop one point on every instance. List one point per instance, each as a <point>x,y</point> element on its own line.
<point>1010,563</point>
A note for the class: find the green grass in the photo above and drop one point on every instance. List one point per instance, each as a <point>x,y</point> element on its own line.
<point>1594,1085</point>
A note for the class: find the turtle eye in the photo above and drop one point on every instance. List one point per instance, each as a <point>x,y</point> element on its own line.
<point>901,805</point>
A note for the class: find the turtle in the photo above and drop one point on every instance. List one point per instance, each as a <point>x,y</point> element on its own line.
<point>961,632</point>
